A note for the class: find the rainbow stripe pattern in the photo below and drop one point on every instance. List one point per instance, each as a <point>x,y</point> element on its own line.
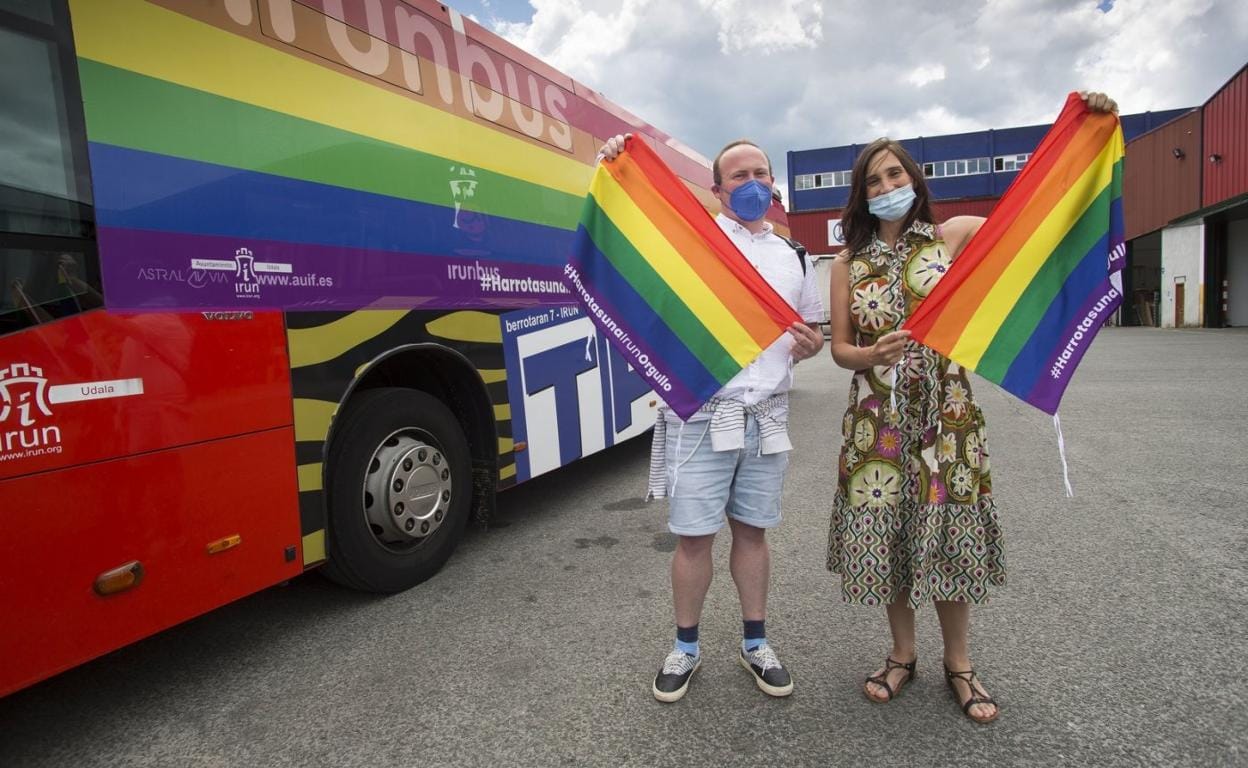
<point>1023,301</point>
<point>234,165</point>
<point>666,285</point>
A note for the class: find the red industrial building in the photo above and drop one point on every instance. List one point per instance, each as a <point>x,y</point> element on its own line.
<point>1185,205</point>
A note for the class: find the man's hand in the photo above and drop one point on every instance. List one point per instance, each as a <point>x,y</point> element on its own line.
<point>1099,102</point>
<point>807,341</point>
<point>613,147</point>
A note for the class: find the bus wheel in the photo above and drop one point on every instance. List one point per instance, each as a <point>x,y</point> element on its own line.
<point>400,490</point>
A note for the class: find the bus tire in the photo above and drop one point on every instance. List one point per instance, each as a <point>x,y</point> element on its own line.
<point>400,490</point>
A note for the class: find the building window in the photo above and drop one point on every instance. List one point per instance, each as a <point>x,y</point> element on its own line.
<point>840,178</point>
<point>1006,163</point>
<point>822,180</point>
<point>968,167</point>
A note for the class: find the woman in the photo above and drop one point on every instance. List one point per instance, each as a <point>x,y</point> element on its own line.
<point>913,520</point>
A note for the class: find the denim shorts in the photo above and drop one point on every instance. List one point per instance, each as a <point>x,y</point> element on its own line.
<point>704,485</point>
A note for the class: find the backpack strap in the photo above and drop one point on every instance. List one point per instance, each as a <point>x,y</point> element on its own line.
<point>796,246</point>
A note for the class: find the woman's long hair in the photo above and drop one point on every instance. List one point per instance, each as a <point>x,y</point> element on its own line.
<point>858,225</point>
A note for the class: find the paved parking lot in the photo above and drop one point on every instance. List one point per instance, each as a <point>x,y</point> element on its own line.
<point>1118,641</point>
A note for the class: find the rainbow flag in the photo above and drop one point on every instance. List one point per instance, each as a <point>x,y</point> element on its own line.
<point>664,283</point>
<point>1023,301</point>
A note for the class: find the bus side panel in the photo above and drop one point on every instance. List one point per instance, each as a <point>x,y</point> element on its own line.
<point>101,385</point>
<point>162,509</point>
<point>145,438</point>
<point>571,392</point>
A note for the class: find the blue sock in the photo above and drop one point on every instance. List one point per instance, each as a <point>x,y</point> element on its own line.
<point>755,634</point>
<point>687,639</point>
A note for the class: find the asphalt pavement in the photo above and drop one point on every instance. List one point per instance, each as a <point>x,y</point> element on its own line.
<point>1119,640</point>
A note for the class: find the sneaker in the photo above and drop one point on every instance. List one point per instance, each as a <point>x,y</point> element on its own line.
<point>772,678</point>
<point>673,679</point>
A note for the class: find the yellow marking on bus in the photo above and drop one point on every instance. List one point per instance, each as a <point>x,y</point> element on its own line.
<point>312,418</point>
<point>468,326</point>
<point>505,445</point>
<point>312,346</point>
<point>310,477</point>
<point>507,471</point>
<point>491,375</point>
<point>314,547</point>
<point>166,45</point>
<point>501,412</point>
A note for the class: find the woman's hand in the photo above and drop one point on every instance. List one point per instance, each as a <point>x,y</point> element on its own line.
<point>888,348</point>
<point>1099,102</point>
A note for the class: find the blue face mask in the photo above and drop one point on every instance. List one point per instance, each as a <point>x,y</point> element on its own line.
<point>751,200</point>
<point>892,206</point>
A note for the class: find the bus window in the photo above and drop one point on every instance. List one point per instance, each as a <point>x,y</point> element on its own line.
<point>39,10</point>
<point>41,286</point>
<point>48,263</point>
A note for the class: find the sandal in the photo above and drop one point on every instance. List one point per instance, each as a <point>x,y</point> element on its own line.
<point>968,677</point>
<point>882,678</point>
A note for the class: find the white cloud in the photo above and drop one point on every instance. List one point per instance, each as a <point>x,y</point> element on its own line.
<point>983,54</point>
<point>932,121</point>
<point>577,40</point>
<point>1148,52</point>
<point>796,74</point>
<point>751,26</point>
<point>926,73</point>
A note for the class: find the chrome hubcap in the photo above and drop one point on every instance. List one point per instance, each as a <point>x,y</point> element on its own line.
<point>407,489</point>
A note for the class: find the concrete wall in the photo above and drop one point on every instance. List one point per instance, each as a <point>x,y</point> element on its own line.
<point>1182,262</point>
<point>1237,272</point>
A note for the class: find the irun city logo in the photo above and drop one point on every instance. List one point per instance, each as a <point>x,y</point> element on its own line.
<point>24,396</point>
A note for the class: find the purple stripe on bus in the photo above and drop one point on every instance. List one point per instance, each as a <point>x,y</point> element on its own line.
<point>145,269</point>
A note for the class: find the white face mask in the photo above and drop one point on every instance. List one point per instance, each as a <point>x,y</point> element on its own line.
<point>892,206</point>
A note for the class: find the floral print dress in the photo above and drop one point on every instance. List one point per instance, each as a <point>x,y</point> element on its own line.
<point>913,515</point>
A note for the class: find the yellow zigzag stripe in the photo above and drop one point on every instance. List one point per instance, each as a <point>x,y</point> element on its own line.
<point>468,326</point>
<point>312,346</point>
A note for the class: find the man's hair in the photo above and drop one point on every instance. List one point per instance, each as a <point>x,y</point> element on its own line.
<point>716,176</point>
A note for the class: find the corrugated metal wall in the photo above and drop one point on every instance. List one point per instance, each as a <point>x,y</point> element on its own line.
<point>1161,175</point>
<point>810,228</point>
<point>1226,135</point>
<point>947,209</point>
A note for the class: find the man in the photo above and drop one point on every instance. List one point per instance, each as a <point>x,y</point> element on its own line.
<point>728,461</point>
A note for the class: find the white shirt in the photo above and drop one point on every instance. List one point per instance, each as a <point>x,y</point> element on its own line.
<point>770,374</point>
<point>777,262</point>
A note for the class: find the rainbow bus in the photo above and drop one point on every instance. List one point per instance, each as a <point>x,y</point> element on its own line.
<point>279,289</point>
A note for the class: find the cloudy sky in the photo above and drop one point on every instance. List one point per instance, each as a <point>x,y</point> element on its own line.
<point>797,74</point>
